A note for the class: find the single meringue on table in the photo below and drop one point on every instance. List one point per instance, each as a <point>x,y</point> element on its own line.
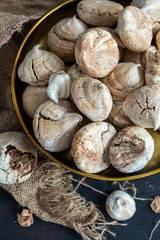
<point>38,65</point>
<point>90,147</point>
<point>120,205</point>
<point>59,86</point>
<point>131,150</point>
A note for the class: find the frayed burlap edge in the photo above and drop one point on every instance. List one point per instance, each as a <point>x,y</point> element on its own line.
<point>49,194</point>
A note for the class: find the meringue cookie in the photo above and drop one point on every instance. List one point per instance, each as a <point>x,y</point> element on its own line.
<point>99,13</point>
<point>92,98</point>
<point>117,116</point>
<point>124,79</point>
<point>90,147</point>
<point>152,73</point>
<point>38,65</point>
<point>59,86</point>
<point>135,29</point>
<point>120,205</point>
<point>63,36</point>
<point>32,98</point>
<point>55,125</point>
<point>75,72</point>
<point>97,53</point>
<point>131,150</point>
<point>151,7</point>
<point>143,106</point>
<point>18,157</point>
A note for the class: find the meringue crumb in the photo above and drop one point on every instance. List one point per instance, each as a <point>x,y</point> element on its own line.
<point>25,219</point>
<point>155,205</point>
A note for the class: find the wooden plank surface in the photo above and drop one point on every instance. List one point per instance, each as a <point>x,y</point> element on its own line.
<point>139,226</point>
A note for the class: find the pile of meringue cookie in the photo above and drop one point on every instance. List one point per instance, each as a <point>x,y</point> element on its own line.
<point>115,83</point>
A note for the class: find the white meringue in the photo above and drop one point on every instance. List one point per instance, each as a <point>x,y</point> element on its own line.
<point>59,86</point>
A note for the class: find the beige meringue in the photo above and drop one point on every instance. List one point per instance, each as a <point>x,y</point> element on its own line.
<point>32,98</point>
<point>145,55</point>
<point>143,106</point>
<point>121,46</point>
<point>25,219</point>
<point>75,72</point>
<point>63,36</point>
<point>151,7</point>
<point>124,79</point>
<point>117,116</point>
<point>70,29</point>
<point>155,205</point>
<point>135,29</point>
<point>120,205</point>
<point>92,98</point>
<point>97,53</point>
<point>90,147</point>
<point>18,157</point>
<point>131,150</point>
<point>158,40</point>
<point>152,73</point>
<point>99,13</point>
<point>55,125</point>
<point>59,86</point>
<point>38,65</point>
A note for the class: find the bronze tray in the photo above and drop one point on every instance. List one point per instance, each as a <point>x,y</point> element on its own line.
<point>38,35</point>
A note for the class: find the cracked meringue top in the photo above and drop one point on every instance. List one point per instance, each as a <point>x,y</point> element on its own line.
<point>92,98</point>
<point>124,79</point>
<point>18,157</point>
<point>38,65</point>
<point>135,29</point>
<point>55,125</point>
<point>99,13</point>
<point>90,146</point>
<point>97,53</point>
<point>131,149</point>
<point>143,106</point>
<point>120,205</point>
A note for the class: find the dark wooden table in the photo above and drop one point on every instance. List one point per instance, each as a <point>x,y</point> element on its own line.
<point>139,226</point>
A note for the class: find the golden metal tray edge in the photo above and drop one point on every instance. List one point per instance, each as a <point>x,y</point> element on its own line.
<point>98,177</point>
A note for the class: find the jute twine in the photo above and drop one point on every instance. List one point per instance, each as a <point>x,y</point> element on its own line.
<point>50,195</point>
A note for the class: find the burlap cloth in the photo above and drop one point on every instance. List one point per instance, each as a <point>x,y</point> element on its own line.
<point>49,192</point>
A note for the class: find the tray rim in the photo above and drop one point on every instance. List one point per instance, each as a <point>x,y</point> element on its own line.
<point>15,103</point>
